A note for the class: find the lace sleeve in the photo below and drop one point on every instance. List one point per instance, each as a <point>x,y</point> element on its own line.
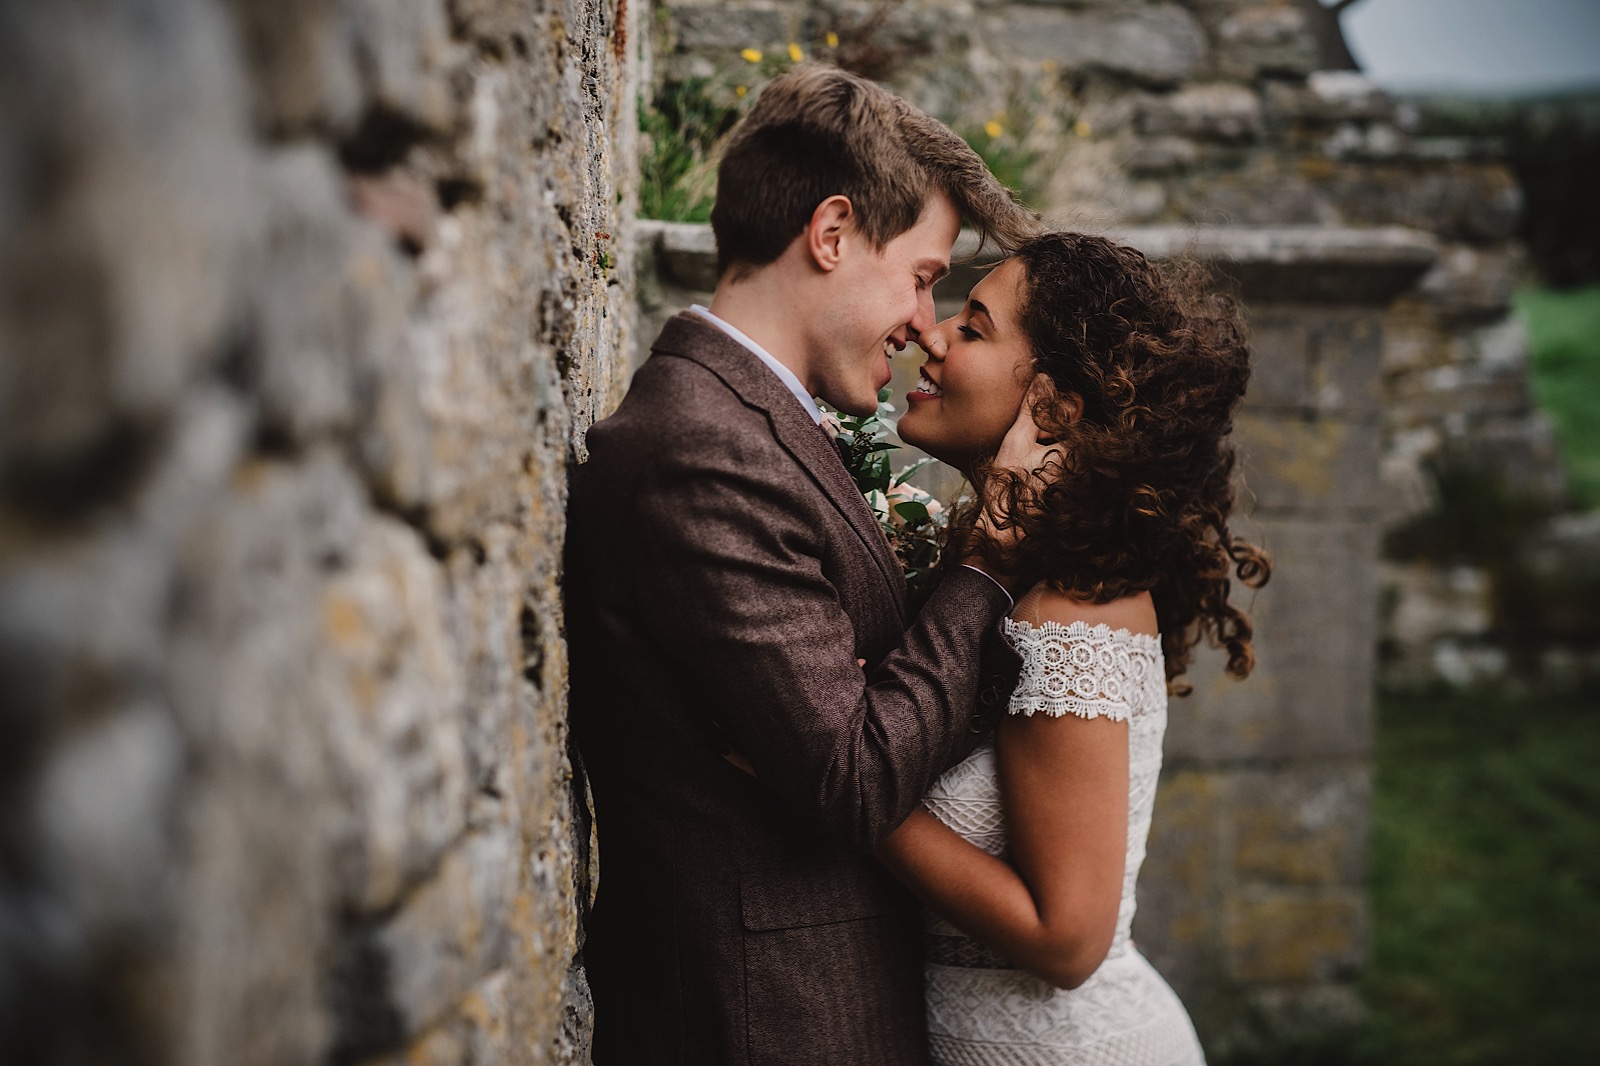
<point>1076,668</point>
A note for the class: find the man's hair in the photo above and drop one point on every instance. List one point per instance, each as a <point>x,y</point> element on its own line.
<point>818,131</point>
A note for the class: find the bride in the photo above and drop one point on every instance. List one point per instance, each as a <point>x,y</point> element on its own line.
<point>1027,852</point>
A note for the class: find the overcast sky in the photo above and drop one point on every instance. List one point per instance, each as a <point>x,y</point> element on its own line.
<point>1477,45</point>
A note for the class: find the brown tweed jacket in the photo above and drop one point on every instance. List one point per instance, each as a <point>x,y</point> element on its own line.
<point>723,578</point>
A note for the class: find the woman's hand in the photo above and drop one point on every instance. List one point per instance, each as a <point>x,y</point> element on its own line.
<point>1029,454</point>
<point>1026,449</point>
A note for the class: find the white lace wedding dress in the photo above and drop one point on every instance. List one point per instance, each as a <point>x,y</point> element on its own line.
<point>983,1012</point>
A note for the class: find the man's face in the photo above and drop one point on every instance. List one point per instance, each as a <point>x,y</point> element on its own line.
<point>879,299</point>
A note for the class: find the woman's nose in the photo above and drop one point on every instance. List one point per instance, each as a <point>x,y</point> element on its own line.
<point>934,340</point>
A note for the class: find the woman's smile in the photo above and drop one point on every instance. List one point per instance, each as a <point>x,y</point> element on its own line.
<point>978,366</point>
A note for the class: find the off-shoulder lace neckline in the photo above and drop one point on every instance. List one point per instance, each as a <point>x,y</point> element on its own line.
<point>1078,628</point>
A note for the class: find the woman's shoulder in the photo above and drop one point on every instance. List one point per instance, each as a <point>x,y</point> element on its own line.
<point>1089,660</point>
<point>1044,607</point>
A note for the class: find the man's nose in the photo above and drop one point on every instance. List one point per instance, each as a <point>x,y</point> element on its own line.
<point>924,319</point>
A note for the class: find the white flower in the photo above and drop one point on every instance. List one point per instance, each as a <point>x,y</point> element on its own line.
<point>830,425</point>
<point>909,493</point>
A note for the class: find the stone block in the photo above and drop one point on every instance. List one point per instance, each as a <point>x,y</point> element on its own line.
<point>1218,111</point>
<point>1159,43</point>
<point>119,238</point>
<point>1160,155</point>
<point>1310,695</point>
<point>1428,602</point>
<point>1311,359</point>
<point>453,931</point>
<point>1471,284</point>
<point>1282,935</point>
<point>105,810</point>
<point>393,709</point>
<point>1280,371</point>
<point>302,72</point>
<point>1346,354</point>
<point>1265,39</point>
<point>1349,95</point>
<point>406,57</point>
<point>730,28</point>
<point>1302,826</point>
<point>1178,925</point>
<point>1295,463</point>
<point>252,919</point>
<point>1476,203</point>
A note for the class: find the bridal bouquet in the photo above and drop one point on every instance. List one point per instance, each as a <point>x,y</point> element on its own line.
<point>911,519</point>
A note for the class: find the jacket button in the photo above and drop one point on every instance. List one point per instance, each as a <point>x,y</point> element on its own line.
<point>979,724</point>
<point>988,696</point>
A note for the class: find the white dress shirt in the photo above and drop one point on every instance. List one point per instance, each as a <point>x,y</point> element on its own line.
<point>785,375</point>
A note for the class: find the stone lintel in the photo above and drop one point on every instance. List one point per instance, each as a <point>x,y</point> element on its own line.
<point>1293,264</point>
<point>1344,266</point>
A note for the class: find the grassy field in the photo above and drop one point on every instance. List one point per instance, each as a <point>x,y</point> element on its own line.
<point>1564,334</point>
<point>1486,882</point>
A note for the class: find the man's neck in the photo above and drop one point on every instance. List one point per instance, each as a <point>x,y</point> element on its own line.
<point>766,313</point>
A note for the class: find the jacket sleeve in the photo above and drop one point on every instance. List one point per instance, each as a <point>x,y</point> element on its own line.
<point>731,579</point>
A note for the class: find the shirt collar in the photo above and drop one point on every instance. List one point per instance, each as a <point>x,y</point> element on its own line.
<point>785,375</point>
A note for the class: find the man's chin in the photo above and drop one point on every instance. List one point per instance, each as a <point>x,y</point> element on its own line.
<point>859,405</point>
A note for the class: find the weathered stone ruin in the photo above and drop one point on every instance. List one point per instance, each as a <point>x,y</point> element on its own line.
<point>304,308</point>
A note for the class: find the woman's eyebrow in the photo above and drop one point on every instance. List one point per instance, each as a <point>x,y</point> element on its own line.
<point>977,308</point>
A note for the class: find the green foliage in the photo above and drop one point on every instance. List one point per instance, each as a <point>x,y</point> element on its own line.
<point>1485,888</point>
<point>1007,155</point>
<point>913,523</point>
<point>1485,879</point>
<point>1564,335</point>
<point>678,180</point>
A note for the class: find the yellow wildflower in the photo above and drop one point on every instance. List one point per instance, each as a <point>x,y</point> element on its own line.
<point>740,90</point>
<point>751,55</point>
<point>795,55</point>
<point>832,39</point>
<point>1082,128</point>
<point>993,129</point>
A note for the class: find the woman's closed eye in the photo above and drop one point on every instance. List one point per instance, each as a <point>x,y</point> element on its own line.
<point>968,333</point>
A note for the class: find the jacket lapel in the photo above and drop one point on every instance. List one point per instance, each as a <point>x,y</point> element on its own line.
<point>692,337</point>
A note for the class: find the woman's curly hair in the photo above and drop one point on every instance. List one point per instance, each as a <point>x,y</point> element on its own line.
<point>1144,485</point>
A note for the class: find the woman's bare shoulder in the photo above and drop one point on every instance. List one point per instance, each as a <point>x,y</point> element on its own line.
<point>1135,613</point>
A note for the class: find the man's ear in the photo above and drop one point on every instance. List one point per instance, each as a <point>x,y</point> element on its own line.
<point>831,223</point>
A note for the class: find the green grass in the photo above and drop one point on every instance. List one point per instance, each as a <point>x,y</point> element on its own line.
<point>1486,881</point>
<point>1564,335</point>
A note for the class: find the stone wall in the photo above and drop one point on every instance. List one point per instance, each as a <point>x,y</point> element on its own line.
<point>1252,901</point>
<point>304,307</point>
<point>1157,112</point>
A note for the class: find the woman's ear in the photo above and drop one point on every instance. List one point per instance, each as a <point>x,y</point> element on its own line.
<point>1044,399</point>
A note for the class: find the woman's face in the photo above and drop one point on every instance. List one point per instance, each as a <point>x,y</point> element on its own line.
<point>978,368</point>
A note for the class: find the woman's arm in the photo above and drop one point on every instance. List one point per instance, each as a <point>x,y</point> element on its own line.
<point>1064,785</point>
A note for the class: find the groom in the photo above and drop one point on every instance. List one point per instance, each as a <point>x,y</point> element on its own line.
<point>724,581</point>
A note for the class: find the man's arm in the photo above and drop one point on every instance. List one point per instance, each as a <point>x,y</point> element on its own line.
<point>731,578</point>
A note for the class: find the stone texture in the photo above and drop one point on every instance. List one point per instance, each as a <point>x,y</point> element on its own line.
<point>1282,936</point>
<point>1158,43</point>
<point>304,308</point>
<point>1265,39</point>
<point>1310,695</point>
<point>1303,827</point>
<point>1219,111</point>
